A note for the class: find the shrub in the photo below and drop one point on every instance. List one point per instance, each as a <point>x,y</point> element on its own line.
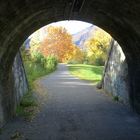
<point>115,98</point>
<point>73,62</point>
<point>51,63</point>
<point>37,57</point>
<point>99,61</point>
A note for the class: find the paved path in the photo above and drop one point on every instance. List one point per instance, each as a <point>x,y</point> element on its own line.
<point>73,110</point>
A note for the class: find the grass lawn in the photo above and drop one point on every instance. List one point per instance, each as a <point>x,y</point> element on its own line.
<point>86,72</point>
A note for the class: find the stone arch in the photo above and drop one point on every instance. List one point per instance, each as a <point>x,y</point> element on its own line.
<point>21,18</point>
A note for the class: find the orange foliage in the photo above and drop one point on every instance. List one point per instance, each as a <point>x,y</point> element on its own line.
<point>58,43</point>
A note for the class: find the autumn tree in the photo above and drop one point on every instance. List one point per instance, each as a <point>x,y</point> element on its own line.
<point>78,55</point>
<point>58,42</point>
<point>97,46</point>
<point>34,44</point>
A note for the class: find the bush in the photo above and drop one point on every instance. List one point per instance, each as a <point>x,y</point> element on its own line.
<point>38,57</point>
<point>99,61</point>
<point>36,65</point>
<point>73,62</point>
<point>51,63</point>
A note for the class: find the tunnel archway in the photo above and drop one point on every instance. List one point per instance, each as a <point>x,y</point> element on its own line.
<point>21,18</point>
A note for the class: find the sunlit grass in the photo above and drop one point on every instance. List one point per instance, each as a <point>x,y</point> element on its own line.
<point>86,72</point>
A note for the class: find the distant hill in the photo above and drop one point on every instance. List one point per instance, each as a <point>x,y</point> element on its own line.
<point>80,37</point>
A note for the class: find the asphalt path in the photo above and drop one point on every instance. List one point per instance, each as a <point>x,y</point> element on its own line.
<point>73,109</point>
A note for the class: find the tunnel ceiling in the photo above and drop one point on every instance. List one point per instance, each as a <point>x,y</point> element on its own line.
<point>21,18</point>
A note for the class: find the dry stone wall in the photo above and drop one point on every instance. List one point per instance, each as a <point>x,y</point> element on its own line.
<point>20,80</point>
<point>19,89</point>
<point>115,79</point>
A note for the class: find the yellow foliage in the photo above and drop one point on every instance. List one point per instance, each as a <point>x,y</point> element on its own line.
<point>98,44</point>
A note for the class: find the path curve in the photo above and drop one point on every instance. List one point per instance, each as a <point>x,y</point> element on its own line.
<point>72,109</point>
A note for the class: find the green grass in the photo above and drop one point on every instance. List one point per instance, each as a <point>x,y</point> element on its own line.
<point>34,71</point>
<point>1,130</point>
<point>29,105</point>
<point>115,98</point>
<point>86,72</point>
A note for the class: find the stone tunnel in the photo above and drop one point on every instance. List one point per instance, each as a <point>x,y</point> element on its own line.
<point>19,19</point>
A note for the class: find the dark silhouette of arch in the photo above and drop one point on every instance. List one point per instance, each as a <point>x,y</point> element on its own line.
<point>18,19</point>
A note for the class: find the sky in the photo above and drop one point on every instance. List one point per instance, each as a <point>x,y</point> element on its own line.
<point>72,26</point>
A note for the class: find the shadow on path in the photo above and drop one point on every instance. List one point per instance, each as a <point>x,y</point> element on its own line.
<point>72,109</point>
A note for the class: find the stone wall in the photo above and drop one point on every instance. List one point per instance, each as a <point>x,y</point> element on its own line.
<point>20,80</point>
<point>115,81</point>
<point>1,111</point>
<point>18,87</point>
